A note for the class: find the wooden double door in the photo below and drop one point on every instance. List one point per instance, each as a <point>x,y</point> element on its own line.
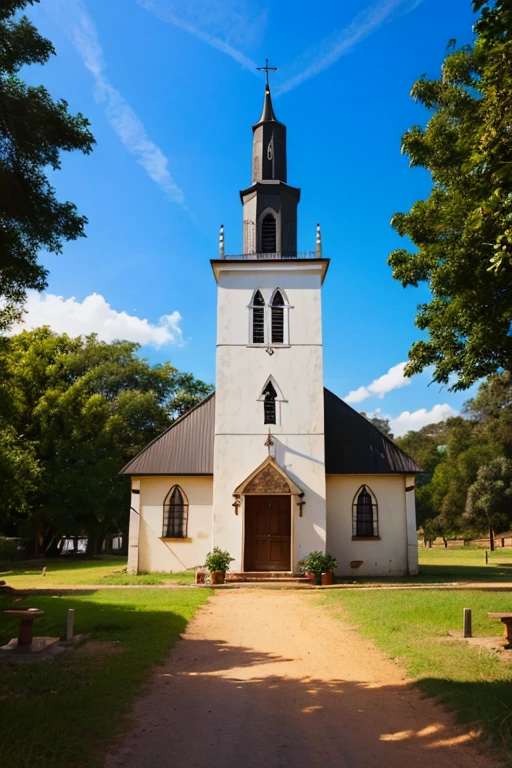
<point>267,533</point>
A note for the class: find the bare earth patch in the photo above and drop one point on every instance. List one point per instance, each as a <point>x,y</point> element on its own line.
<point>268,679</point>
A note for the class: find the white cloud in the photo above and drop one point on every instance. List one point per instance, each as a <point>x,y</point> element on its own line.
<point>417,419</point>
<point>393,379</point>
<point>95,315</point>
<point>221,25</point>
<point>327,53</point>
<point>80,28</point>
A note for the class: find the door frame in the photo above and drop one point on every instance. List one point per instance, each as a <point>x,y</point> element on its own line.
<point>292,532</point>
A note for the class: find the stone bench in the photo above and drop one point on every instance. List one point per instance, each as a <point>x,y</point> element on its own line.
<point>506,618</point>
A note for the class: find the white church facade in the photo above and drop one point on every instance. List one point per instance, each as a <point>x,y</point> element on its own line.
<point>272,465</point>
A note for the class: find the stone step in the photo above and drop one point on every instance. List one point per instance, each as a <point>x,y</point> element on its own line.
<point>266,578</point>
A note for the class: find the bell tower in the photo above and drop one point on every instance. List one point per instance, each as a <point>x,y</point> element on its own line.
<point>269,400</point>
<point>270,204</point>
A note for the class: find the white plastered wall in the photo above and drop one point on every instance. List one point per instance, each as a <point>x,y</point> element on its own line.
<point>155,554</point>
<point>388,556</point>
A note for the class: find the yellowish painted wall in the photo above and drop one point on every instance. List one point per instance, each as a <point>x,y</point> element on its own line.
<point>387,557</point>
<point>158,555</point>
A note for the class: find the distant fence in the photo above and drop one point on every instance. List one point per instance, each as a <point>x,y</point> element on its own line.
<point>499,541</point>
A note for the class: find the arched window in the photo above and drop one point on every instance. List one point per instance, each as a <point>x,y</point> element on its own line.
<point>258,319</point>
<point>365,518</point>
<point>268,234</point>
<point>175,522</point>
<point>277,310</point>
<point>269,404</point>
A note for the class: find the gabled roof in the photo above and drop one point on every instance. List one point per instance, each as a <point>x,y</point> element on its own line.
<point>353,445</point>
<point>185,448</point>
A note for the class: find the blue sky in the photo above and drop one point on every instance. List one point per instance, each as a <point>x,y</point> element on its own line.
<point>171,91</point>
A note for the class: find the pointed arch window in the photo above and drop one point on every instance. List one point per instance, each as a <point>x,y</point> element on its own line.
<point>365,514</point>
<point>277,318</point>
<point>175,522</point>
<point>258,319</point>
<point>269,404</point>
<point>269,234</point>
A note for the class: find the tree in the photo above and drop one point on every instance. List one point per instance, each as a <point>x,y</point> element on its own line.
<point>462,233</point>
<point>86,408</point>
<point>382,424</point>
<point>34,130</point>
<point>489,500</point>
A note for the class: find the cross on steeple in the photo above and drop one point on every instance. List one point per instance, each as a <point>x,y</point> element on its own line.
<point>267,69</point>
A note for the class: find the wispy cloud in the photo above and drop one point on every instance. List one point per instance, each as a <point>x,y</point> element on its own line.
<point>95,315</point>
<point>327,53</point>
<point>393,379</point>
<point>79,27</point>
<point>223,26</point>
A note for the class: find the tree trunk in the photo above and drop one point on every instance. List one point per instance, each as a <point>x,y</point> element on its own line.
<point>445,542</point>
<point>491,539</point>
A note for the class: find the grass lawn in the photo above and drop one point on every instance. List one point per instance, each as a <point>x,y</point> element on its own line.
<point>68,572</point>
<point>442,565</point>
<point>410,626</point>
<point>67,710</point>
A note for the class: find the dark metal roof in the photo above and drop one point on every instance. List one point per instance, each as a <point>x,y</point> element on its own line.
<point>185,448</point>
<point>353,445</point>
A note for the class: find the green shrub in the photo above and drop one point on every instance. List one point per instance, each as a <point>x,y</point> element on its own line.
<point>218,560</point>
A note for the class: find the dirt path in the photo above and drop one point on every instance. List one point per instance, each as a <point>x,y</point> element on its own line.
<point>268,679</point>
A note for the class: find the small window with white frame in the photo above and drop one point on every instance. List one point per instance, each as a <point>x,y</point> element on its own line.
<point>365,514</point>
<point>257,309</point>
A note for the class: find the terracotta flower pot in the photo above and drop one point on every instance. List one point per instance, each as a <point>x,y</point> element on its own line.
<point>327,579</point>
<point>310,577</point>
<point>218,577</point>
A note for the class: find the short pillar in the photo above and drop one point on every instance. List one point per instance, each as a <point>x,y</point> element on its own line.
<point>467,622</point>
<point>71,620</point>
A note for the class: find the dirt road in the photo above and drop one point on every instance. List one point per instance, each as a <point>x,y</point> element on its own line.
<point>267,679</point>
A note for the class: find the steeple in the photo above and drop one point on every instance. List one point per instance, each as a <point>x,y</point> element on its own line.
<point>269,204</point>
<point>269,145</point>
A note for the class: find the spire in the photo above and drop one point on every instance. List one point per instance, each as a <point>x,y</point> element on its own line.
<point>268,111</point>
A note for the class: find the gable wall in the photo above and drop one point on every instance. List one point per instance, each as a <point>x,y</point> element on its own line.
<point>387,557</point>
<point>175,555</point>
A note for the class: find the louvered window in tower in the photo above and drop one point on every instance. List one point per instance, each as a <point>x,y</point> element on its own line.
<point>268,234</point>
<point>277,311</point>
<point>269,404</point>
<point>258,319</point>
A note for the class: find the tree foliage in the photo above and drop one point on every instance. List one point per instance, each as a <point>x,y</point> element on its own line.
<point>80,409</point>
<point>462,232</point>
<point>34,131</point>
<point>459,456</point>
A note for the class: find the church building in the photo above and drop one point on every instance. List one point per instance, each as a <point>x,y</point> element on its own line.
<point>272,466</point>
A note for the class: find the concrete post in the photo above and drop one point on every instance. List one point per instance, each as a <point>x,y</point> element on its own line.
<point>71,621</point>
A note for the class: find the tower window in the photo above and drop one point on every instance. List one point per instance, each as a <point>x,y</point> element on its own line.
<point>268,234</point>
<point>175,522</point>
<point>269,404</point>
<point>365,522</point>
<point>277,310</point>
<point>258,319</point>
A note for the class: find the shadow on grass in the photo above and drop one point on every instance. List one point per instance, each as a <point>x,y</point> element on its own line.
<point>64,711</point>
<point>218,704</point>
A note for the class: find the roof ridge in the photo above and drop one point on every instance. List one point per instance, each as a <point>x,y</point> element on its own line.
<point>168,429</point>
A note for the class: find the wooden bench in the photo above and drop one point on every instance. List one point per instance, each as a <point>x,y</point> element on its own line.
<point>506,618</point>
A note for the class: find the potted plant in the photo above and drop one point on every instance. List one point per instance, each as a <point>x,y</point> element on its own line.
<point>330,564</point>
<point>217,563</point>
<point>312,566</point>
